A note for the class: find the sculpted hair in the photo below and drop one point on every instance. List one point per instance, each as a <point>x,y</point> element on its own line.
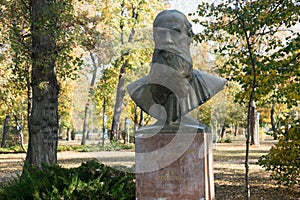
<point>186,21</point>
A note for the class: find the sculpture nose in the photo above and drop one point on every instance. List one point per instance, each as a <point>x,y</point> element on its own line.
<point>168,37</point>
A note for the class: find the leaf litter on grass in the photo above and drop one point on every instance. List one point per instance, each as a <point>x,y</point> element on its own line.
<point>229,172</point>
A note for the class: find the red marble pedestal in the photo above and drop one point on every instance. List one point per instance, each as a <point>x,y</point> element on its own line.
<point>174,166</point>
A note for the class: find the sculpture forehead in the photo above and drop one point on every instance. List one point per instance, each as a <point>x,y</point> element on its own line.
<point>170,20</point>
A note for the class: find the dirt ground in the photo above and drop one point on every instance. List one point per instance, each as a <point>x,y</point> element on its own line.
<point>229,169</point>
<point>229,173</point>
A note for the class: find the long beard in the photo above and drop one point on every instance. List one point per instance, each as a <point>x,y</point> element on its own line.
<point>183,67</point>
<point>169,62</point>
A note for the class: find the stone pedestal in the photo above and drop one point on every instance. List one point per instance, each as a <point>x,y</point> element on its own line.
<point>174,166</point>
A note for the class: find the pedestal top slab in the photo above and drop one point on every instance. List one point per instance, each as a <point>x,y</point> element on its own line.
<point>172,129</point>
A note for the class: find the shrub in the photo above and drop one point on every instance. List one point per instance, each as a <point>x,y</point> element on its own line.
<point>113,146</point>
<point>91,180</point>
<point>117,146</point>
<point>283,160</point>
<point>77,148</point>
<point>228,140</point>
<point>12,149</point>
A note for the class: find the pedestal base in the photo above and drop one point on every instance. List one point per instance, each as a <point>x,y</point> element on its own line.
<point>174,166</point>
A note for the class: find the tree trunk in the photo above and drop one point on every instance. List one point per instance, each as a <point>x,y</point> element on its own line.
<point>88,134</point>
<point>223,131</point>
<point>91,93</point>
<point>141,123</point>
<point>135,119</point>
<point>43,123</point>
<point>124,132</point>
<point>5,131</point>
<point>273,123</point>
<point>85,125</point>
<point>73,134</point>
<point>60,129</point>
<point>20,131</point>
<point>252,58</point>
<point>104,121</point>
<point>22,140</point>
<point>68,134</point>
<point>236,126</point>
<point>252,123</point>
<point>118,105</point>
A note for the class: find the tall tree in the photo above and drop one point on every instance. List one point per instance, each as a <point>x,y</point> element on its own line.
<point>133,15</point>
<point>41,50</point>
<point>52,37</point>
<point>261,47</point>
<point>97,43</point>
<point>43,124</point>
<point>16,49</point>
<point>38,43</point>
<point>103,95</point>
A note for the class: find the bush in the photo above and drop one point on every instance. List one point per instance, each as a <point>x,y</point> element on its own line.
<point>228,140</point>
<point>283,160</point>
<point>117,146</point>
<point>77,148</point>
<point>91,180</point>
<point>12,149</point>
<point>113,146</point>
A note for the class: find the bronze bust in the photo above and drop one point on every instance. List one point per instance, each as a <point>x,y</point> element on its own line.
<point>173,88</point>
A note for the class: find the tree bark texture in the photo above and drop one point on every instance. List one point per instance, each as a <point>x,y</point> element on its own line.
<point>43,123</point>
<point>273,123</point>
<point>252,123</point>
<point>119,102</point>
<point>223,131</point>
<point>87,107</point>
<point>85,124</point>
<point>20,131</point>
<point>103,120</point>
<point>141,122</point>
<point>5,131</point>
<point>236,127</point>
<point>68,134</point>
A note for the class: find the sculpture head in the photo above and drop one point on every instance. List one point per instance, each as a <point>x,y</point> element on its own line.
<point>173,32</point>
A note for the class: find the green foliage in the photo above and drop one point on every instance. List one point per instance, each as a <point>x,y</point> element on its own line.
<point>283,159</point>
<point>105,89</point>
<point>77,148</point>
<point>112,146</point>
<point>256,33</point>
<point>222,109</point>
<point>117,146</point>
<point>16,31</point>
<point>12,149</point>
<point>89,181</point>
<point>228,140</point>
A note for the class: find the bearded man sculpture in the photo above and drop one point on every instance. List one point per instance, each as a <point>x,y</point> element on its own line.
<point>173,88</point>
